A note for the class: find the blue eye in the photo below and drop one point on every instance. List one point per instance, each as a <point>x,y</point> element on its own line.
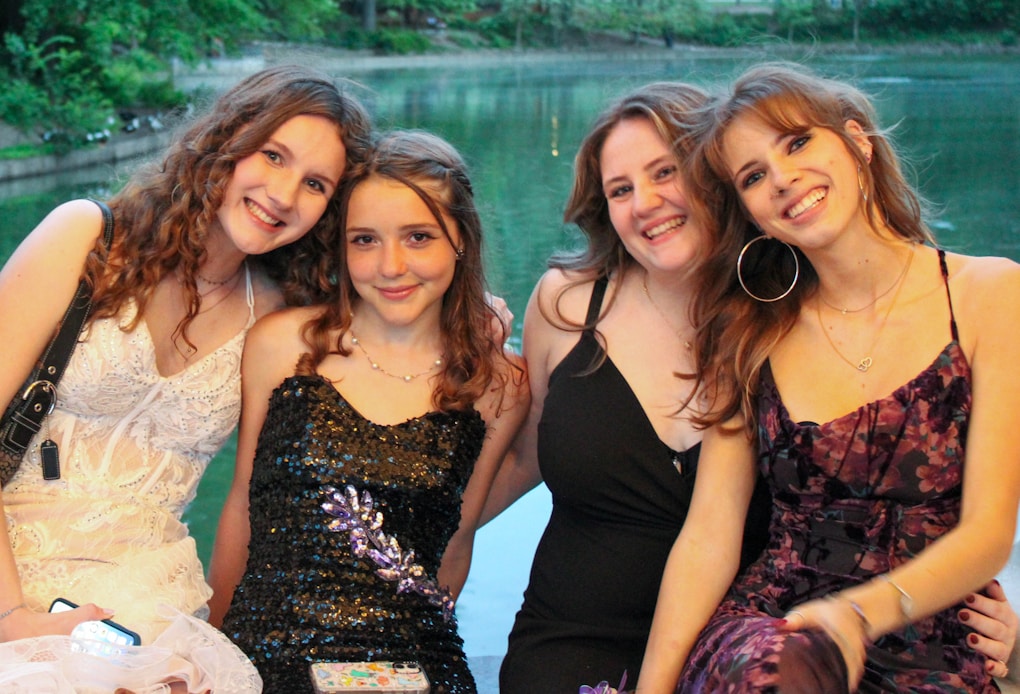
<point>751,179</point>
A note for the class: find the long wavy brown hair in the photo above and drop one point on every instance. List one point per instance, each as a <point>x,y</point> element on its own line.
<point>473,357</point>
<point>738,332</point>
<point>671,108</point>
<point>164,213</point>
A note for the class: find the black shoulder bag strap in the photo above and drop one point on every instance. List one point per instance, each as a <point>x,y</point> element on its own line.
<point>40,394</point>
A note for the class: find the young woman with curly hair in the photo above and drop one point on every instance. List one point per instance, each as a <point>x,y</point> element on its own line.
<point>219,232</point>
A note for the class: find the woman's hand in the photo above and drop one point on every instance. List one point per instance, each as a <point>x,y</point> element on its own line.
<point>503,321</point>
<point>23,623</point>
<point>845,625</point>
<point>994,623</point>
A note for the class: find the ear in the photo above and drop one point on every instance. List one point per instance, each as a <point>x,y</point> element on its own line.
<point>858,135</point>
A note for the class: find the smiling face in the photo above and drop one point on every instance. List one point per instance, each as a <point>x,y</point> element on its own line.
<point>399,260</point>
<point>279,192</point>
<point>640,179</point>
<point>801,187</point>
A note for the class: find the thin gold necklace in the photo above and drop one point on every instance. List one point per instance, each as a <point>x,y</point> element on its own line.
<point>866,361</point>
<point>679,333</point>
<point>406,378</point>
<point>874,301</point>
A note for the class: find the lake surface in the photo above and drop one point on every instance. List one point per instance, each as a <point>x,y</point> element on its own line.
<point>519,122</point>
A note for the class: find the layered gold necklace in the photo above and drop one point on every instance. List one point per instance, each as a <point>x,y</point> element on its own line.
<point>865,362</point>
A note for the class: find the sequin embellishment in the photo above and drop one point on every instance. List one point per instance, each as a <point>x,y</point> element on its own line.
<point>363,522</point>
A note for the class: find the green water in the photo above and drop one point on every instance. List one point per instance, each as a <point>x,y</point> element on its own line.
<point>519,124</point>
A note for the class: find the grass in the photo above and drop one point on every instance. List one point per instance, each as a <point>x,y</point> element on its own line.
<point>26,151</point>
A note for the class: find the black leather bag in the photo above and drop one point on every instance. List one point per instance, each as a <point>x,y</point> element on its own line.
<point>38,396</point>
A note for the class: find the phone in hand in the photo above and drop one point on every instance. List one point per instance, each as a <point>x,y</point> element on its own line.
<point>380,678</point>
<point>106,631</point>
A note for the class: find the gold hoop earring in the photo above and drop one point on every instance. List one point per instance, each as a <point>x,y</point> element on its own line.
<point>740,276</point>
<point>860,184</point>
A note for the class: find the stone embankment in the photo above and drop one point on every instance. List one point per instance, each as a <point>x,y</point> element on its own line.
<point>112,152</point>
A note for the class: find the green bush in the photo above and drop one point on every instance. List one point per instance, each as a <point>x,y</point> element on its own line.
<point>399,41</point>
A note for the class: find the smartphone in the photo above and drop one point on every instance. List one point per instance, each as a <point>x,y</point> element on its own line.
<point>106,631</point>
<point>381,678</point>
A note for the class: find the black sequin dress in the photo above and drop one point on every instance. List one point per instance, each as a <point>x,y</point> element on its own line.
<point>306,594</point>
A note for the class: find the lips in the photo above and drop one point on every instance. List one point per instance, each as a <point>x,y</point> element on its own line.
<point>664,227</point>
<point>806,203</point>
<point>260,214</point>
<point>396,293</point>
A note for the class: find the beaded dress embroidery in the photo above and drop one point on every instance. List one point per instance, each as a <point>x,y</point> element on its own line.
<point>307,594</point>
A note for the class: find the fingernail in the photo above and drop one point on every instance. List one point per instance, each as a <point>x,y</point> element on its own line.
<point>989,666</point>
<point>964,615</point>
<point>972,639</point>
<point>107,612</point>
<point>778,622</point>
<point>970,599</point>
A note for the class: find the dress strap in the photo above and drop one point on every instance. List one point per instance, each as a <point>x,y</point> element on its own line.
<point>249,293</point>
<point>598,292</point>
<point>949,297</point>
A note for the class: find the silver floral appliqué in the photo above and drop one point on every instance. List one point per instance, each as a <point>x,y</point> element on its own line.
<point>359,518</point>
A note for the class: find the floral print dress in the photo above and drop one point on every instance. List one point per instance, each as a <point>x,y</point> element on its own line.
<point>853,498</point>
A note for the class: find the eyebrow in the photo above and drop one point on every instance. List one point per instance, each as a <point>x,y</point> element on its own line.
<point>754,162</point>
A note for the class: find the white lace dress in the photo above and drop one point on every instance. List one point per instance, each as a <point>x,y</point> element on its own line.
<point>133,447</point>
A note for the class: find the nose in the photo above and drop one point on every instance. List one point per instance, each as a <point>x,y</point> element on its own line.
<point>392,262</point>
<point>283,190</point>
<point>783,177</point>
<point>646,198</point>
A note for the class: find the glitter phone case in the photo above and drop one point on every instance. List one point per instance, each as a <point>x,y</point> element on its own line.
<point>380,678</point>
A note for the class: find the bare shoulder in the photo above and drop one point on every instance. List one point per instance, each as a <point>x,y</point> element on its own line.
<point>280,330</point>
<point>74,225</point>
<point>984,279</point>
<point>563,296</point>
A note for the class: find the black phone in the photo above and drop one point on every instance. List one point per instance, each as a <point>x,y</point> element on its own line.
<point>107,630</point>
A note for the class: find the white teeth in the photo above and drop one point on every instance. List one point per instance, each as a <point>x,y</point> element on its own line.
<point>258,212</point>
<point>806,204</point>
<point>661,229</point>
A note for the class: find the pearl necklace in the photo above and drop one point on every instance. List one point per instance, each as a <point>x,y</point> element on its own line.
<point>406,378</point>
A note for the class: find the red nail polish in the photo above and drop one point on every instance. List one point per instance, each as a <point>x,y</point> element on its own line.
<point>964,615</point>
<point>779,622</point>
<point>970,599</point>
<point>972,639</point>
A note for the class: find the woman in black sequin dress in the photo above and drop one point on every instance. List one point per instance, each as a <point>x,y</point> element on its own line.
<point>364,476</point>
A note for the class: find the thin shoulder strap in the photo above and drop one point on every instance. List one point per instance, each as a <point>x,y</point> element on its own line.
<point>598,292</point>
<point>949,297</point>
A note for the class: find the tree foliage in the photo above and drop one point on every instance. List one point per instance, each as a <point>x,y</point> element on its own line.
<point>66,64</point>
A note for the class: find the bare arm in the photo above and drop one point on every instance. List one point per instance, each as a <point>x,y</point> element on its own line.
<point>705,557</point>
<point>502,426</point>
<point>36,286</point>
<point>519,471</point>
<point>263,367</point>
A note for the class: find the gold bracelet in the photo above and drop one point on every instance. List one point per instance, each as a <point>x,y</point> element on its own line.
<point>5,615</point>
<point>906,602</point>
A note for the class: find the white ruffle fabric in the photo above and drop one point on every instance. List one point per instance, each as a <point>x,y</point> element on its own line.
<point>189,653</point>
